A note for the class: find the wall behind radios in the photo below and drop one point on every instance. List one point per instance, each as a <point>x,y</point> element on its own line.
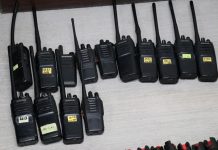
<point>7,5</point>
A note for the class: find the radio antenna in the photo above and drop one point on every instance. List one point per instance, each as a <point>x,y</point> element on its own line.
<point>16,7</point>
<point>197,37</point>
<point>60,75</point>
<point>75,36</point>
<point>158,40</point>
<point>176,29</point>
<point>37,35</point>
<point>35,76</point>
<point>84,94</point>
<point>137,28</point>
<point>13,89</point>
<point>116,21</point>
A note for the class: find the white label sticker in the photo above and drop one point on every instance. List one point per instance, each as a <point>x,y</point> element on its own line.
<point>15,67</point>
<point>23,119</point>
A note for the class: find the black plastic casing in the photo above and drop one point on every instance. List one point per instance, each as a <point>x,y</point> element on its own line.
<point>147,61</point>
<point>47,119</point>
<point>87,64</point>
<point>68,66</point>
<point>126,59</point>
<point>71,120</point>
<point>185,146</point>
<point>93,112</point>
<point>106,59</point>
<point>21,67</point>
<point>199,146</point>
<point>46,65</point>
<point>169,146</point>
<point>24,120</point>
<point>186,58</point>
<point>206,61</point>
<point>168,70</point>
<point>212,144</point>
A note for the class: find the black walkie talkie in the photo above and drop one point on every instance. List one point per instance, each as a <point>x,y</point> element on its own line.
<point>125,52</point>
<point>86,60</point>
<point>45,110</point>
<point>169,146</point>
<point>168,71</point>
<point>146,54</point>
<point>185,51</point>
<point>92,106</point>
<point>185,146</point>
<point>20,59</point>
<point>22,112</point>
<point>212,144</point>
<point>205,54</point>
<point>199,146</point>
<point>106,59</point>
<point>93,112</point>
<point>70,111</point>
<point>46,63</point>
<point>68,67</point>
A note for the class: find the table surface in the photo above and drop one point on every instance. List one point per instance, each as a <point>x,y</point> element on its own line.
<point>135,113</point>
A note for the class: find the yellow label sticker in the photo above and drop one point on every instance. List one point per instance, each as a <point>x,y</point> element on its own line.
<point>46,70</point>
<point>72,118</point>
<point>186,56</point>
<point>23,119</point>
<point>148,60</point>
<point>15,67</point>
<point>48,128</point>
<point>207,59</point>
<point>167,61</point>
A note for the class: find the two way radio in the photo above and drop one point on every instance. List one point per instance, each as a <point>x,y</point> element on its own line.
<point>106,59</point>
<point>212,144</point>
<point>199,146</point>
<point>93,112</point>
<point>46,63</point>
<point>20,59</point>
<point>205,54</point>
<point>185,51</point>
<point>168,72</point>
<point>185,146</point>
<point>86,60</point>
<point>92,106</point>
<point>45,110</point>
<point>70,111</point>
<point>22,112</point>
<point>169,146</point>
<point>157,148</point>
<point>146,54</point>
<point>68,67</point>
<point>125,52</point>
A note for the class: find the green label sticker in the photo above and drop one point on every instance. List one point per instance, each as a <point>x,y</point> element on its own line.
<point>207,59</point>
<point>15,67</point>
<point>186,56</point>
<point>48,128</point>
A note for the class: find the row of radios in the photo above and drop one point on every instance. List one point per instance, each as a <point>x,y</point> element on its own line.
<point>144,62</point>
<point>210,144</point>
